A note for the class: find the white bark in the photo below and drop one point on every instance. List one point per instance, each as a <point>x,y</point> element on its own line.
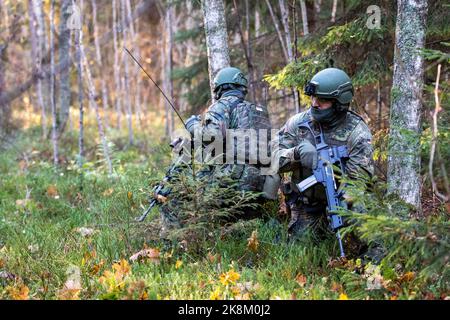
<point>92,94</point>
<point>277,28</point>
<point>117,93</point>
<point>304,18</point>
<point>406,102</point>
<point>79,66</point>
<point>98,56</point>
<point>216,38</point>
<point>333,11</point>
<point>38,47</point>
<point>52,83</point>
<point>287,34</point>
<point>126,78</point>
<point>64,55</point>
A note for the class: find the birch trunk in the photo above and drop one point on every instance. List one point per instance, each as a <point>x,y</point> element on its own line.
<point>92,94</point>
<point>79,66</point>
<point>406,102</point>
<point>117,93</point>
<point>333,11</point>
<point>126,78</point>
<point>98,56</point>
<point>34,9</point>
<point>168,59</point>
<point>304,18</point>
<point>64,55</point>
<point>52,84</point>
<point>137,71</point>
<point>216,38</point>
<point>277,28</point>
<point>287,34</point>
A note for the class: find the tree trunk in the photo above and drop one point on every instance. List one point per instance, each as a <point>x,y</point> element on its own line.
<point>79,66</point>
<point>333,11</point>
<point>406,102</point>
<point>216,38</point>
<point>98,56</point>
<point>277,28</point>
<point>117,93</point>
<point>34,9</point>
<point>167,66</point>
<point>92,94</point>
<point>126,79</point>
<point>64,80</point>
<point>287,34</point>
<point>52,84</point>
<point>304,18</point>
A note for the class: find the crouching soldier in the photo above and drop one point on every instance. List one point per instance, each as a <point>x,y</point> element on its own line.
<point>228,118</point>
<point>331,92</point>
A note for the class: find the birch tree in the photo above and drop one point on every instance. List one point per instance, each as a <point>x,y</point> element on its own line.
<point>79,67</point>
<point>99,59</point>
<point>34,11</point>
<point>168,61</point>
<point>117,93</point>
<point>406,102</point>
<point>290,54</point>
<point>216,38</point>
<point>64,79</point>
<point>126,73</point>
<point>52,83</point>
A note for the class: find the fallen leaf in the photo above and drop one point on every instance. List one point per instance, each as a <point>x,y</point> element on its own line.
<point>20,293</point>
<point>253,242</point>
<point>52,191</point>
<point>33,248</point>
<point>86,232</point>
<point>343,296</point>
<point>178,264</point>
<point>407,277</point>
<point>300,279</point>
<point>129,195</point>
<point>22,202</point>
<point>23,165</point>
<point>151,253</point>
<point>108,192</point>
<point>337,287</point>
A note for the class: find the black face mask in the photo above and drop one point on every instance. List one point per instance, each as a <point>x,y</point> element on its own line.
<point>328,116</point>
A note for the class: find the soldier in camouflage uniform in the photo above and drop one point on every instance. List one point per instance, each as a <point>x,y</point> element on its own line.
<point>331,92</point>
<point>232,111</point>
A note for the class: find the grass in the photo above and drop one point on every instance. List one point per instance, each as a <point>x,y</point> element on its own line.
<point>45,255</point>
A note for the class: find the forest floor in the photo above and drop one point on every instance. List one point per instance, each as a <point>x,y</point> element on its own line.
<point>70,233</point>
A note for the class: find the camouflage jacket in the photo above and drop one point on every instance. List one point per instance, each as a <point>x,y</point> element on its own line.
<point>351,131</point>
<point>231,112</point>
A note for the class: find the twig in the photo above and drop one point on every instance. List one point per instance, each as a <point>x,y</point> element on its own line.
<point>434,137</point>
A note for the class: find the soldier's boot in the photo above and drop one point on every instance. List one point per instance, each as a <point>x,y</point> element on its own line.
<point>303,222</point>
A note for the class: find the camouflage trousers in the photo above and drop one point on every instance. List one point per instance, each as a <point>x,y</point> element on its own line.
<point>303,220</point>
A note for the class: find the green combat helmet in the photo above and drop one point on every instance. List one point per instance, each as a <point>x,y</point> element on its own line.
<point>229,75</point>
<point>331,83</point>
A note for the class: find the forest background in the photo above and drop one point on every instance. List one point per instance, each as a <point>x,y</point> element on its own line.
<point>84,137</point>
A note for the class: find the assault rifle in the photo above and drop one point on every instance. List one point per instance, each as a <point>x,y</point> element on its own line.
<point>160,190</point>
<point>323,173</point>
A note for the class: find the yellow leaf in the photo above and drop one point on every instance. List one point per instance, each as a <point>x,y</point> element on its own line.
<point>216,294</point>
<point>20,293</point>
<point>52,191</point>
<point>343,296</point>
<point>253,242</point>
<point>408,276</point>
<point>130,195</point>
<point>301,280</point>
<point>108,192</point>
<point>229,277</point>
<point>122,267</point>
<point>178,264</point>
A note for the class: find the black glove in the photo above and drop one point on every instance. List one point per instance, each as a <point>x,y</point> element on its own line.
<point>307,154</point>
